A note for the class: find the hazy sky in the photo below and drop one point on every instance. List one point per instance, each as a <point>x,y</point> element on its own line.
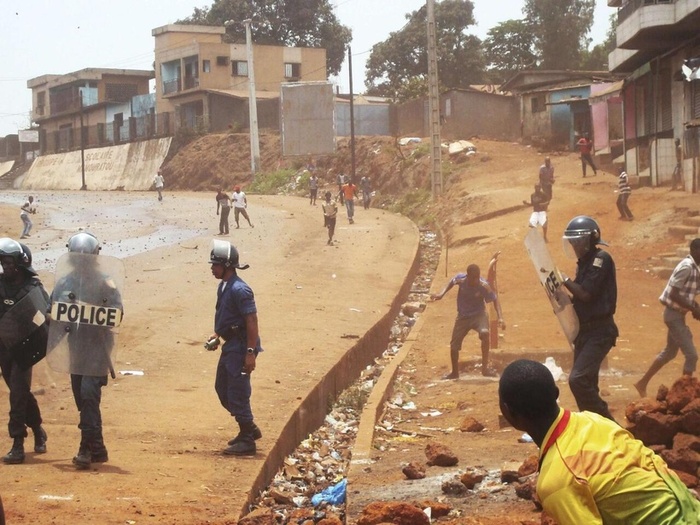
<point>60,36</point>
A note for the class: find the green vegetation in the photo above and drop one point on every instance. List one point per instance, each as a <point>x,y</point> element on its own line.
<point>415,205</point>
<point>353,397</point>
<point>273,183</point>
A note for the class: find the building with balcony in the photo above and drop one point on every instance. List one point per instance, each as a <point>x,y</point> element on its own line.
<point>654,39</point>
<point>204,80</point>
<point>99,102</point>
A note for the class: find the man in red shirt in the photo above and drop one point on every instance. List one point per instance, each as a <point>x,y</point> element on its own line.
<point>585,145</point>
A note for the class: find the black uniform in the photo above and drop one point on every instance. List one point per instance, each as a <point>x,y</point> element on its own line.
<point>598,333</point>
<point>16,363</point>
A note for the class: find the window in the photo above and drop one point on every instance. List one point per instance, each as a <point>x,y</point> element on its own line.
<point>121,92</point>
<point>119,119</point>
<point>221,61</point>
<point>239,68</point>
<point>537,103</point>
<point>40,102</point>
<point>206,66</point>
<point>292,71</point>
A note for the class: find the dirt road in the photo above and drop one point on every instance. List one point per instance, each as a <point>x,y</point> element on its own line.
<point>481,215</point>
<point>165,429</point>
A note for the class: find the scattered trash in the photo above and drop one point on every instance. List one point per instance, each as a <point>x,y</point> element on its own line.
<point>525,438</point>
<point>409,140</point>
<point>48,497</point>
<point>335,494</point>
<point>131,372</point>
<point>557,372</point>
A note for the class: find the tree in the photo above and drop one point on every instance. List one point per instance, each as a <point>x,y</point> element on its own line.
<point>398,66</point>
<point>509,47</point>
<point>301,23</point>
<point>560,28</point>
<point>597,58</point>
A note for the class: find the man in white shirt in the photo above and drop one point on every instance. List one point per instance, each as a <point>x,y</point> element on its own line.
<point>158,182</point>
<point>239,206</point>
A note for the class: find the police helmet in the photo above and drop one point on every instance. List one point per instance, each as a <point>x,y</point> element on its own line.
<point>84,242</point>
<point>582,232</point>
<point>19,252</point>
<point>223,252</point>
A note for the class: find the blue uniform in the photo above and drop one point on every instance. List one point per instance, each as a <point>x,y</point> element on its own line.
<point>235,300</point>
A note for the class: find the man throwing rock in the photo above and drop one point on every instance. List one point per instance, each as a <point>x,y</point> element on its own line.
<point>474,292</point>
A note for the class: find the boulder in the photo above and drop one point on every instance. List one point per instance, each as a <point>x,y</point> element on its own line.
<point>683,391</point>
<point>642,406</point>
<point>261,516</point>
<point>414,471</point>
<point>469,424</point>
<point>440,455</point>
<point>656,429</point>
<point>529,466</point>
<point>688,480</point>
<point>472,477</point>
<point>437,509</point>
<point>394,512</point>
<point>509,472</point>
<point>685,460</point>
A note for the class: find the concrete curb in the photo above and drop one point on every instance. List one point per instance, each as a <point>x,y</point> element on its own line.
<point>361,452</point>
<point>311,412</point>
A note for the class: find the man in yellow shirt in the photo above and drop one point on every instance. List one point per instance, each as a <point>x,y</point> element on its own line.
<point>592,470</point>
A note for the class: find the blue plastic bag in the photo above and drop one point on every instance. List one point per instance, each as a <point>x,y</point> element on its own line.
<point>335,494</point>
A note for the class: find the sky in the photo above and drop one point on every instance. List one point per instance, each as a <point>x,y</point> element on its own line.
<point>41,37</point>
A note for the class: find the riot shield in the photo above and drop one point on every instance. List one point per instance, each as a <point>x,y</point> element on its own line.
<point>20,325</point>
<point>550,277</point>
<point>86,311</point>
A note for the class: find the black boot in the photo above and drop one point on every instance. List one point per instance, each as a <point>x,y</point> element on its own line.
<point>98,451</point>
<point>83,458</point>
<point>40,438</point>
<point>245,446</point>
<point>256,433</point>
<point>16,454</point>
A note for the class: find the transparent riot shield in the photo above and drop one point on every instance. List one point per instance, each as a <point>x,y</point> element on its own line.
<point>20,325</point>
<point>86,311</point>
<point>550,277</point>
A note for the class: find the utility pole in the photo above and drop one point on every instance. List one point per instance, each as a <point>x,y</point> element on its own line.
<point>252,104</point>
<point>82,142</point>
<point>352,120</point>
<point>434,104</point>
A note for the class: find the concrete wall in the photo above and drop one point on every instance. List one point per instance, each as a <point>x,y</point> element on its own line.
<point>412,118</point>
<point>370,119</point>
<point>128,166</point>
<point>468,113</point>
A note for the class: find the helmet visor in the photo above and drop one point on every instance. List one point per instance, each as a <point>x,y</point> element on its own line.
<point>576,243</point>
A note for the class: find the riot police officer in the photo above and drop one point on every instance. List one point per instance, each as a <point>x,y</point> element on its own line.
<point>23,335</point>
<point>594,292</point>
<point>85,347</point>
<point>236,322</point>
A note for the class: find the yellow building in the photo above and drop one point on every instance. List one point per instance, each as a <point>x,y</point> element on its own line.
<point>204,81</point>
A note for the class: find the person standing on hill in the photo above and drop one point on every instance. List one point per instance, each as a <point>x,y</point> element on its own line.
<point>624,191</point>
<point>678,299</point>
<point>224,203</point>
<point>547,177</point>
<point>474,292</point>
<point>240,203</point>
<point>26,209</point>
<point>366,185</point>
<point>585,146</point>
<point>539,202</point>
<point>158,182</point>
<point>330,214</point>
<point>349,191</point>
<point>313,188</point>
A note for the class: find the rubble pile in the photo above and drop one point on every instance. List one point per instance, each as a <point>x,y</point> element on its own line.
<point>670,425</point>
<point>309,489</point>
